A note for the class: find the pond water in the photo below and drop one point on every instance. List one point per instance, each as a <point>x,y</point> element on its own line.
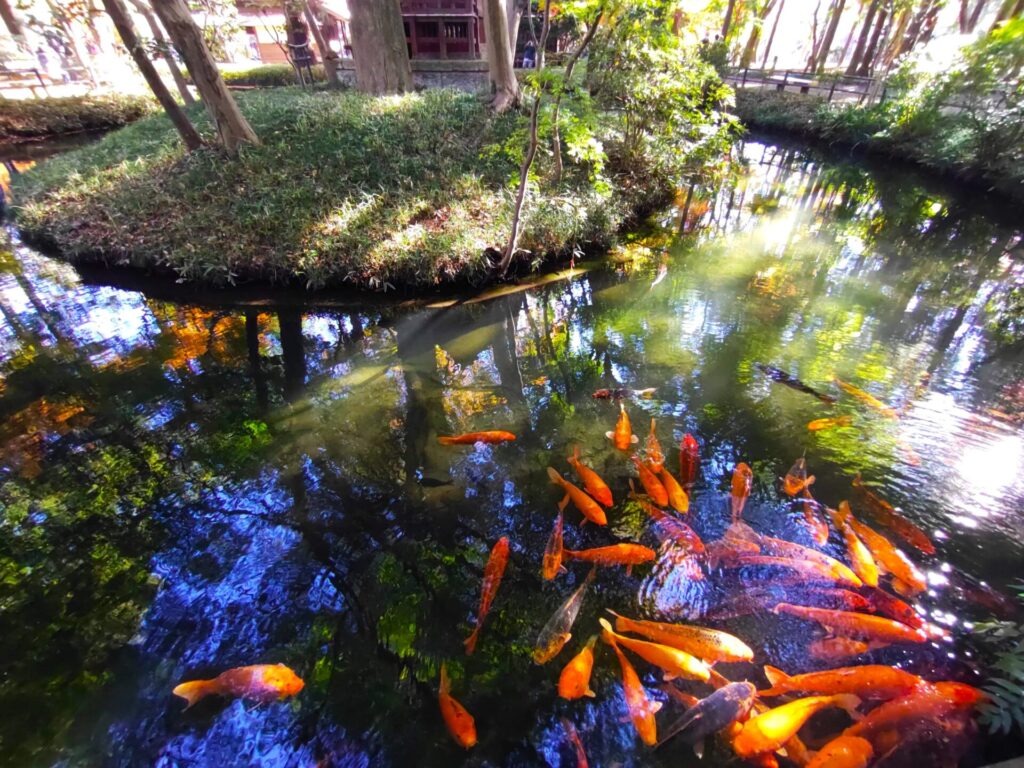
<point>192,485</point>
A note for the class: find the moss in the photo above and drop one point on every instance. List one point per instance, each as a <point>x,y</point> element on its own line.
<point>404,192</point>
<point>37,119</point>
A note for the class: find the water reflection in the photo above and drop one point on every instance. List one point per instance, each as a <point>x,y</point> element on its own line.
<point>192,487</point>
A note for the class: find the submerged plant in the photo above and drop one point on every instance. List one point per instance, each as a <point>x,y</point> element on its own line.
<point>1004,711</point>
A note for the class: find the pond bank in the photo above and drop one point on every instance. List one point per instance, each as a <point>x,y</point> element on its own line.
<point>406,192</point>
<point>31,120</point>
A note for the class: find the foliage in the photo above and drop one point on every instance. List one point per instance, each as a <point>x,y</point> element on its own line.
<point>1005,710</point>
<point>33,119</point>
<point>270,75</point>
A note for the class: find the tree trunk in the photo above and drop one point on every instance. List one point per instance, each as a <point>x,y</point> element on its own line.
<point>862,40</point>
<point>1008,10</point>
<point>830,35</point>
<point>727,21</point>
<point>379,48</point>
<point>232,128</point>
<point>750,49</point>
<point>771,37</point>
<point>10,20</point>
<point>812,60</point>
<point>868,58</point>
<point>515,16</point>
<point>123,24</point>
<point>161,40</point>
<point>972,22</point>
<point>499,57</point>
<point>326,54</point>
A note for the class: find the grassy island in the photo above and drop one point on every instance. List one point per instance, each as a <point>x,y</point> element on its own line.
<point>49,118</point>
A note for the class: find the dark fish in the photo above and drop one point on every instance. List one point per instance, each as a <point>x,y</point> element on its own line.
<point>712,714</point>
<point>622,394</point>
<point>780,376</point>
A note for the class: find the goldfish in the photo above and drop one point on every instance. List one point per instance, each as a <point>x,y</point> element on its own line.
<point>871,681</point>
<point>672,661</point>
<point>622,437</point>
<point>589,508</point>
<point>928,700</point>
<point>641,708</point>
<point>887,515</point>
<point>459,722</point>
<point>574,739</point>
<point>676,495</point>
<point>471,438</point>
<point>622,393</point>
<point>759,600</point>
<point>860,557</point>
<point>592,482</point>
<point>674,529</point>
<point>796,479</point>
<point>891,606</point>
<point>689,460</point>
<point>817,526</point>
<point>616,554</point>
<point>259,682</point>
<point>712,713</point>
<point>783,548</point>
<point>655,458</point>
<point>553,552</point>
<point>835,421</point>
<point>885,554</point>
<point>556,634</point>
<point>834,648</point>
<point>768,731</point>
<point>864,397</point>
<point>742,480</point>
<point>651,483</point>
<point>574,682</point>
<point>811,569</point>
<point>844,752</point>
<point>708,644</point>
<point>493,572</point>
<point>856,625</point>
<point>785,379</point>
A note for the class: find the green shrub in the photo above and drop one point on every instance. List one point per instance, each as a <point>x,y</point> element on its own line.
<point>31,119</point>
<point>271,76</point>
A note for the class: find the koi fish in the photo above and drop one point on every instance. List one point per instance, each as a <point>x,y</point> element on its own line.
<point>655,458</point>
<point>472,438</point>
<point>589,508</point>
<point>623,393</point>
<point>855,625</point>
<point>689,460</point>
<point>574,739</point>
<point>783,548</point>
<point>891,606</point>
<point>553,552</point>
<point>742,480</point>
<point>672,661</point>
<point>835,421</point>
<point>928,701</point>
<point>871,681</point>
<point>622,437</point>
<point>864,397</point>
<point>683,698</point>
<point>556,634</point>
<point>259,682</point>
<point>651,483</point>
<point>728,551</point>
<point>785,379</point>
<point>843,752</point>
<point>708,644</point>
<point>768,731</point>
<point>860,557</point>
<point>674,529</point>
<point>493,572</point>
<point>761,600</point>
<point>796,479</point>
<point>459,722</point>
<point>885,554</point>
<point>641,709</point>
<point>886,515</point>
<point>835,648</point>
<point>592,482</point>
<point>712,714</point>
<point>811,569</point>
<point>817,526</point>
<point>616,554</point>
<point>676,495</point>
<point>574,682</point>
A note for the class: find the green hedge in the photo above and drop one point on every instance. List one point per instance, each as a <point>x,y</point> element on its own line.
<point>36,119</point>
<point>270,76</point>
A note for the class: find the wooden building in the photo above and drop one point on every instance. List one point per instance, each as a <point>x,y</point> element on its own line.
<point>443,29</point>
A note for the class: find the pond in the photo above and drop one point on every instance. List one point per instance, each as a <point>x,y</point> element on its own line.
<point>194,484</point>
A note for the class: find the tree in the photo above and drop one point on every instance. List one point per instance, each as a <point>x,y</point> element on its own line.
<point>10,20</point>
<point>167,52</point>
<point>830,35</point>
<point>862,40</point>
<point>1009,9</point>
<point>232,127</point>
<point>500,56</point>
<point>378,47</point>
<point>868,56</point>
<point>771,36</point>
<point>515,17</point>
<point>968,19</point>
<point>730,10</point>
<point>123,24</point>
<point>329,57</point>
<point>750,49</point>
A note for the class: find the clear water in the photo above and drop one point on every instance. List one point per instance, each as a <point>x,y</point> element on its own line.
<point>192,484</point>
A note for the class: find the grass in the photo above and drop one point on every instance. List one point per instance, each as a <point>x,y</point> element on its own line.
<point>38,119</point>
<point>405,192</point>
<point>270,75</point>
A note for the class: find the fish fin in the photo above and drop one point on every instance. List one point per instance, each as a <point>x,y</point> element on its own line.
<point>656,707</point>
<point>562,568</point>
<point>470,642</point>
<point>669,677</point>
<point>605,625</point>
<point>446,440</point>
<point>610,435</point>
<point>589,693</point>
<point>698,749</point>
<point>591,642</point>
<point>193,691</point>
<point>446,683</point>
<point>592,575</point>
<point>629,570</point>
<point>556,478</point>
<point>634,439</point>
<point>849,702</point>
<point>575,453</point>
<point>563,503</point>
<point>775,675</point>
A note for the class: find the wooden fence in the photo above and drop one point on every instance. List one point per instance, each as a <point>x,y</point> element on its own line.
<point>863,90</point>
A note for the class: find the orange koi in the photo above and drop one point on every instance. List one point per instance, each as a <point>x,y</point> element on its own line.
<point>574,739</point>
<point>553,552</point>
<point>574,682</point>
<point>796,479</point>
<point>622,393</point>
<point>617,554</point>
<point>886,515</point>
<point>689,460</point>
<point>835,421</point>
<point>928,701</point>
<point>768,731</point>
<point>493,572</point>
<point>783,548</point>
<point>864,397</point>
<point>871,681</point>
<point>817,526</point>
<point>890,605</point>
<point>641,709</point>
<point>651,483</point>
<point>843,752</point>
<point>472,438</point>
<point>459,722</point>
<point>673,528</point>
<point>259,682</point>
<point>835,648</point>
<point>655,458</point>
<point>886,556</point>
<point>589,508</point>
<point>676,495</point>
<point>811,569</point>
<point>672,661</point>
<point>860,557</point>
<point>592,482</point>
<point>556,634</point>
<point>742,480</point>
<point>709,644</point>
<point>855,625</point>
<point>623,436</point>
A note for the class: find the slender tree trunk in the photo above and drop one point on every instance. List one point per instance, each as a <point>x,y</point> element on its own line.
<point>868,57</point>
<point>1008,10</point>
<point>515,16</point>
<point>972,22</point>
<point>815,41</point>
<point>10,20</point>
<point>233,129</point>
<point>727,21</point>
<point>750,49</point>
<point>378,47</point>
<point>326,54</point>
<point>499,57</point>
<point>830,36</point>
<point>123,24</point>
<point>161,40</point>
<point>862,40</point>
<point>771,37</point>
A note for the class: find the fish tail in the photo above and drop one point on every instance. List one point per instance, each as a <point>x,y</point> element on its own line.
<point>589,692</point>
<point>446,440</point>
<point>555,477</point>
<point>849,702</point>
<point>194,690</point>
<point>470,642</point>
<point>775,675</point>
<point>591,642</point>
<point>652,426</point>
<point>446,684</point>
<point>575,454</point>
<point>610,435</point>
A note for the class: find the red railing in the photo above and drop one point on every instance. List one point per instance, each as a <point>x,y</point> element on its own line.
<point>412,7</point>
